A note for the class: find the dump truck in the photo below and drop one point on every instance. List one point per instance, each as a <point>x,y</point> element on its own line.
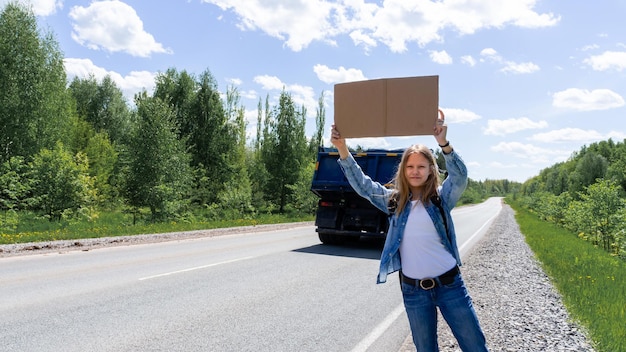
<point>342,215</point>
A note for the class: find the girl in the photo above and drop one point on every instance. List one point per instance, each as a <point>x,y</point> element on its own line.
<point>421,241</point>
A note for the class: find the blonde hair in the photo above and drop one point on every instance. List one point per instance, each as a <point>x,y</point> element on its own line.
<point>402,191</point>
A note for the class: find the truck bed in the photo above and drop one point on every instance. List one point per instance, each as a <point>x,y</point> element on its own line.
<point>328,179</point>
<point>342,214</point>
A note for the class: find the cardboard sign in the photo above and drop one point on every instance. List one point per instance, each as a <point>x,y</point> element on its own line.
<point>387,107</point>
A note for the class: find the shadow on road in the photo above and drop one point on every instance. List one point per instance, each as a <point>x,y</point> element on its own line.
<point>360,249</point>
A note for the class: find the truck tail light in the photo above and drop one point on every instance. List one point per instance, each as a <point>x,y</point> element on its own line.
<point>325,203</point>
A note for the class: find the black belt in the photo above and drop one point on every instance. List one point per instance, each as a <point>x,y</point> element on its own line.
<point>427,284</point>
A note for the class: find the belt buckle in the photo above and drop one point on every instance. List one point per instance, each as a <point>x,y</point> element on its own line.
<point>430,284</point>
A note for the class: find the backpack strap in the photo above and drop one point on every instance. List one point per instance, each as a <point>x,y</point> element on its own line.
<point>437,201</point>
<point>392,205</point>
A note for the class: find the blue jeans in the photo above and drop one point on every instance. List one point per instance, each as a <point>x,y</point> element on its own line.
<point>456,307</point>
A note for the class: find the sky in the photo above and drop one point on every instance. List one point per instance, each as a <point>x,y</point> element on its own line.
<point>523,84</point>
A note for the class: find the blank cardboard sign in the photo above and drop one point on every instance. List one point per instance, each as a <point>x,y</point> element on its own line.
<point>387,107</point>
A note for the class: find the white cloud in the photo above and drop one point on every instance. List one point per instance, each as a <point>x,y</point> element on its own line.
<point>468,60</point>
<point>608,60</point>
<point>590,47</point>
<point>234,81</point>
<point>440,57</point>
<point>130,84</point>
<point>392,22</point>
<point>301,95</point>
<point>470,16</point>
<point>298,23</point>
<point>459,115</point>
<point>531,152</point>
<point>616,135</point>
<point>269,82</point>
<point>499,165</point>
<point>246,94</point>
<point>520,150</point>
<point>39,7</point>
<point>112,26</point>
<point>398,22</point>
<point>249,94</point>
<point>360,38</point>
<point>525,67</point>
<point>368,143</point>
<point>472,165</point>
<point>490,55</point>
<point>574,135</point>
<point>340,75</point>
<point>504,127</point>
<point>568,135</point>
<point>586,100</point>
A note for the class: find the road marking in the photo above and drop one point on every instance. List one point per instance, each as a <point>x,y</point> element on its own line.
<point>194,268</point>
<point>379,330</point>
<point>488,222</point>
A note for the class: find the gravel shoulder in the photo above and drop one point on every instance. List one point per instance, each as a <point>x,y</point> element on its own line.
<point>7,250</point>
<point>518,307</point>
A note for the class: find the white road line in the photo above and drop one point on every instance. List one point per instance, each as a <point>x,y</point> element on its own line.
<point>191,269</point>
<point>369,340</point>
<point>488,222</point>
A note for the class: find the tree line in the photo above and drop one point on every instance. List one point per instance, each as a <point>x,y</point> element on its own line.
<point>69,151</point>
<point>585,194</point>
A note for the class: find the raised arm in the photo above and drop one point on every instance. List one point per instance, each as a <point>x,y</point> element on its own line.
<point>440,132</point>
<point>339,143</point>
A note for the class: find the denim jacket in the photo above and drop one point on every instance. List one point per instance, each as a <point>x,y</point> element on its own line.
<point>450,191</point>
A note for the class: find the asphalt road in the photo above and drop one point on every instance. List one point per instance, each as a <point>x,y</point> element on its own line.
<point>265,291</point>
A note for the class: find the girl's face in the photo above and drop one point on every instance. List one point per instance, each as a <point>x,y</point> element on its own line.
<point>416,171</point>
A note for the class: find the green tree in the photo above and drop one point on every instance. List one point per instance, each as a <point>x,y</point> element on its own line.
<point>102,162</point>
<point>593,216</point>
<point>303,200</point>
<point>237,193</point>
<point>617,167</point>
<point>34,104</point>
<point>259,127</point>
<point>61,185</point>
<point>14,184</point>
<point>255,161</point>
<point>14,191</point>
<point>320,121</point>
<point>157,173</point>
<point>79,133</point>
<point>103,105</point>
<point>473,193</point>
<point>604,206</point>
<point>211,140</point>
<point>590,167</point>
<point>204,125</point>
<point>556,180</point>
<point>284,150</point>
<point>178,90</point>
<point>591,199</point>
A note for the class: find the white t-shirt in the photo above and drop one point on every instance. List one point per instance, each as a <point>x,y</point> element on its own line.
<point>421,251</point>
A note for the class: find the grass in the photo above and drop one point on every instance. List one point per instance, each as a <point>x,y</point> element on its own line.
<point>591,281</point>
<point>111,224</point>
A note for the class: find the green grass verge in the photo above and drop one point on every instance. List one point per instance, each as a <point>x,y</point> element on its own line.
<point>591,282</point>
<point>32,229</point>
